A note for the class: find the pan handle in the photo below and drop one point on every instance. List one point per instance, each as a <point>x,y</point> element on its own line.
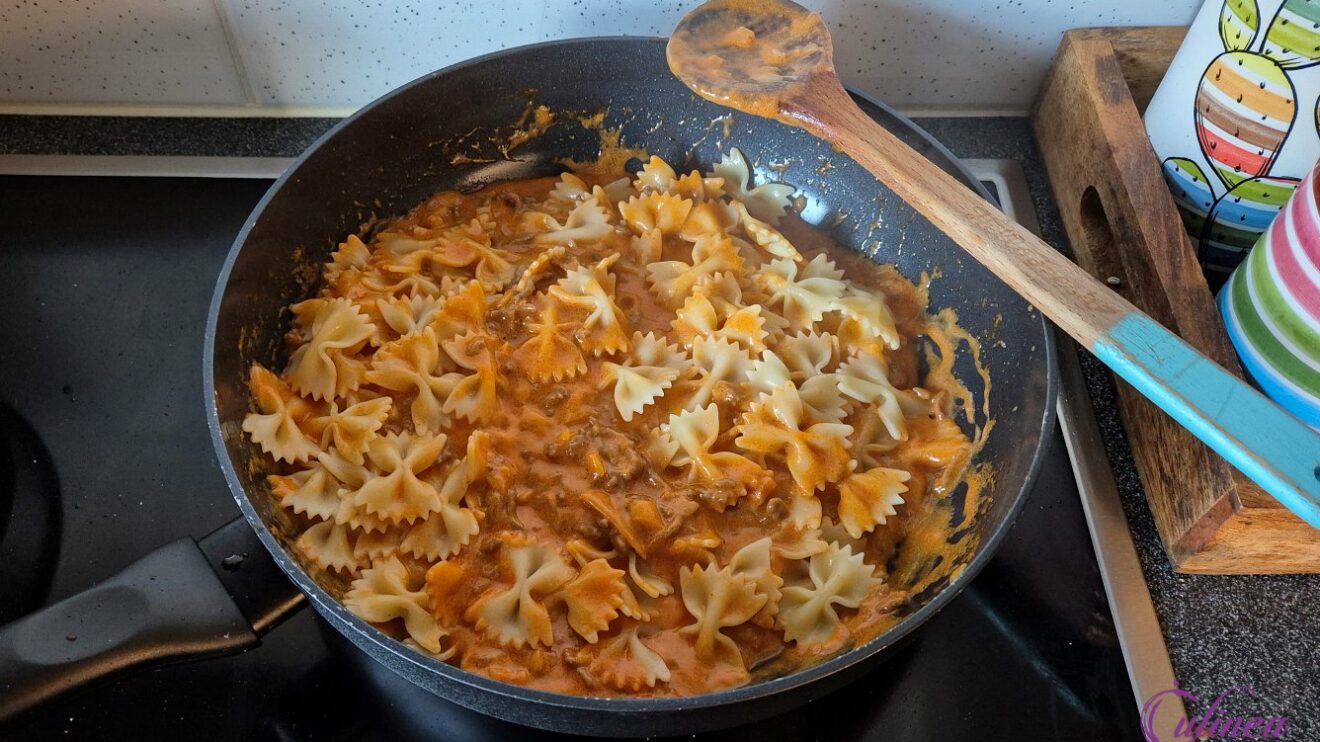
<point>183,601</point>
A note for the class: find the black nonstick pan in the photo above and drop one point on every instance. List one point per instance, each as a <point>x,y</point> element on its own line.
<point>444,131</point>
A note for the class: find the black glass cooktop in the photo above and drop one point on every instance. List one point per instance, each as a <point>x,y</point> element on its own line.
<point>104,455</point>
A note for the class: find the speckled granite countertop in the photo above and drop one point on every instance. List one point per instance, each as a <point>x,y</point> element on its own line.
<point>1262,631</point>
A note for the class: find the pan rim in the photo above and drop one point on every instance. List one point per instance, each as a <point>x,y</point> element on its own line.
<point>622,705</point>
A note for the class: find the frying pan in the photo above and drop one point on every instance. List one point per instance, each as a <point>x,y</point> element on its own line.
<point>186,601</point>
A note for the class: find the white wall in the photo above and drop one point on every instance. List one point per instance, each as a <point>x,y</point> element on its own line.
<point>261,56</point>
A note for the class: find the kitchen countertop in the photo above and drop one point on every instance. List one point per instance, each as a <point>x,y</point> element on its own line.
<point>1221,631</point>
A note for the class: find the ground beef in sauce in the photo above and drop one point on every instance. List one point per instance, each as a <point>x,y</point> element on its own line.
<point>567,483</point>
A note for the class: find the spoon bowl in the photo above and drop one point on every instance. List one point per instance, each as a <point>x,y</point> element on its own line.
<point>750,54</point>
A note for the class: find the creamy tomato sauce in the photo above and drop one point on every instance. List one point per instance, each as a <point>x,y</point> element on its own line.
<point>525,528</point>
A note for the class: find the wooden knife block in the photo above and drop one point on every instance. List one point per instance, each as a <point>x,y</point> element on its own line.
<point>1124,228</point>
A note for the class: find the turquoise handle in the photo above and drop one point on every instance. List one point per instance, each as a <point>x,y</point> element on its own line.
<point>1267,444</point>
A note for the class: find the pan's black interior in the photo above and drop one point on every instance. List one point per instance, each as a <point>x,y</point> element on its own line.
<point>401,148</point>
<point>31,517</point>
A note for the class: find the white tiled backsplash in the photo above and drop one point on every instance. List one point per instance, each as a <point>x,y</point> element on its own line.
<point>259,56</point>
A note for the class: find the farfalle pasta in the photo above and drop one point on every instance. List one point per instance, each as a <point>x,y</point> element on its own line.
<point>609,434</point>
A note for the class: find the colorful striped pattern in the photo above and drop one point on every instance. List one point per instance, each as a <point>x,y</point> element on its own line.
<point>1293,38</point>
<point>1238,21</point>
<point>1239,218</point>
<point>1191,193</point>
<point>1271,306</point>
<point>1245,106</point>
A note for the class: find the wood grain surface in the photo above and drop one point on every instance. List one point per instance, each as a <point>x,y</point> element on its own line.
<point>1080,305</point>
<point>1124,229</point>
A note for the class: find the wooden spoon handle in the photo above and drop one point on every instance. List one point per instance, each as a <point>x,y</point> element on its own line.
<point>1242,425</point>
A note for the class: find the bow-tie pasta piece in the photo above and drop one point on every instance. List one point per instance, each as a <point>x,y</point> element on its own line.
<point>550,353</point>
<point>726,294</point>
<point>514,612</point>
<point>804,292</point>
<point>369,546</point>
<point>397,494</point>
<point>381,594</point>
<point>451,527</point>
<point>649,584</point>
<point>311,492</point>
<point>701,189</point>
<point>655,175</point>
<point>590,290</point>
<point>353,428</point>
<point>588,222</point>
<point>659,449</point>
<point>815,454</point>
<point>695,432</point>
<point>415,252</point>
<point>867,499</point>
<point>462,312</point>
<point>464,246</point>
<point>594,599</point>
<point>404,315</point>
<point>807,354</point>
<point>328,544</point>
<point>754,561</point>
<point>625,663</point>
<point>831,531</point>
<point>674,280</point>
<point>822,400</point>
<point>707,218</point>
<point>349,474</point>
<point>650,369</point>
<point>799,534</point>
<point>865,378</point>
<point>718,599</point>
<point>633,605</point>
<point>647,247</point>
<point>277,427</point>
<point>473,397</point>
<point>716,360</point>
<point>666,212</point>
<point>414,364</point>
<point>867,318</point>
<point>611,193</point>
<point>389,284</point>
<point>355,517</point>
<point>320,368</point>
<point>571,190</point>
<point>767,373</point>
<point>766,237</point>
<point>835,578</point>
<point>768,201</point>
<point>343,274</point>
<point>394,246</point>
<point>699,317</point>
<point>799,543</point>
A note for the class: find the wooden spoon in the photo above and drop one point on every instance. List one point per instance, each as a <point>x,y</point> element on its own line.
<point>774,58</point>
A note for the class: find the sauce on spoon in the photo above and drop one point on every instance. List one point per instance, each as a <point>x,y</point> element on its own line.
<point>749,54</point>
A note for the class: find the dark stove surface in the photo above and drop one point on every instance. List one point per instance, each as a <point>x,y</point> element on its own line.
<point>104,455</point>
